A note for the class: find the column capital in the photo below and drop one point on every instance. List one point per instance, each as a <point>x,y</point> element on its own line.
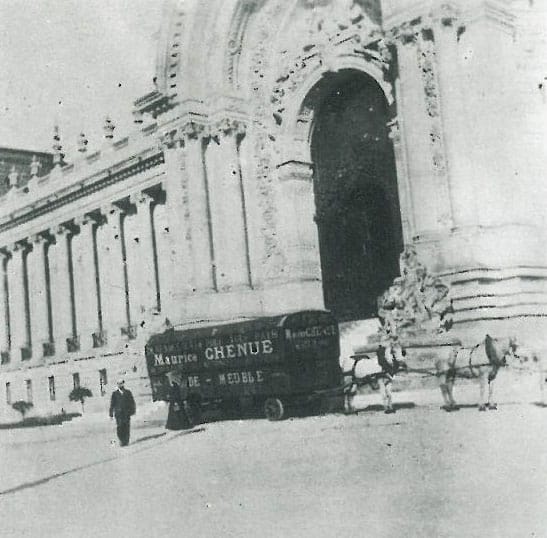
<point>193,130</point>
<point>140,198</point>
<point>18,246</point>
<point>111,211</point>
<point>229,126</point>
<point>38,239</point>
<point>60,230</point>
<point>4,255</point>
<point>172,140</point>
<point>84,220</point>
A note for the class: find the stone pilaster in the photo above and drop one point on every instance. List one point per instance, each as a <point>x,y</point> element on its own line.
<point>86,295</point>
<point>61,289</point>
<point>39,295</point>
<point>113,274</point>
<point>229,219</point>
<point>445,27</point>
<point>403,181</point>
<point>419,109</point>
<point>297,222</point>
<point>18,301</point>
<point>144,295</point>
<point>203,256</point>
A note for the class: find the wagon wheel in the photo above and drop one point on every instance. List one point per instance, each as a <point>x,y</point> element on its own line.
<point>273,409</point>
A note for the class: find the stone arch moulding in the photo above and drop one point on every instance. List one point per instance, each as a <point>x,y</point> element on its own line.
<point>298,122</point>
<point>297,126</point>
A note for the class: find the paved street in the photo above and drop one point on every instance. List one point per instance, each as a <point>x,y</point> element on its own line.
<point>420,472</point>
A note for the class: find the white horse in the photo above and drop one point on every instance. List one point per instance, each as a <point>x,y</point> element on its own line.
<point>376,374</point>
<point>482,361</point>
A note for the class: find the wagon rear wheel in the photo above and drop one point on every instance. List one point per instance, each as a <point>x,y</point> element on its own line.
<point>273,409</point>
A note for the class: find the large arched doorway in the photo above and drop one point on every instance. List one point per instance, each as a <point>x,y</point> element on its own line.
<point>355,185</point>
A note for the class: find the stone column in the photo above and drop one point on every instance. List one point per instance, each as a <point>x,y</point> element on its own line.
<point>39,295</point>
<point>86,296</point>
<point>18,302</point>
<point>113,275</point>
<point>297,223</point>
<point>61,290</point>
<point>178,283</point>
<point>4,308</point>
<point>146,292</point>
<point>203,256</point>
<point>229,219</point>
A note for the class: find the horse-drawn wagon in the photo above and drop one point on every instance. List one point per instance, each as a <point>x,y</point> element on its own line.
<point>271,362</point>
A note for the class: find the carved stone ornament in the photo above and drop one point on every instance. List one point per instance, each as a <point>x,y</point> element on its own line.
<point>341,28</point>
<point>417,303</point>
<point>228,126</point>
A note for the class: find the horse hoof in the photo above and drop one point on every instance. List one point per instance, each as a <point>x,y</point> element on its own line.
<point>493,407</point>
<point>389,411</point>
<point>482,407</point>
<point>454,407</point>
<point>446,408</point>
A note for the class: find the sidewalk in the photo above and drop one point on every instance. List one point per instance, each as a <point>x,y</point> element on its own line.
<point>35,455</point>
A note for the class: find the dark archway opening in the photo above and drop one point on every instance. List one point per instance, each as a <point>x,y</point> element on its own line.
<point>355,184</point>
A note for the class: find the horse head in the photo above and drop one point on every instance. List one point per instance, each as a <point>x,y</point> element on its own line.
<point>508,349</point>
<point>500,350</point>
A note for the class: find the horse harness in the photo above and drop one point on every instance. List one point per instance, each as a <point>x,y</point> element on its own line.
<point>493,361</point>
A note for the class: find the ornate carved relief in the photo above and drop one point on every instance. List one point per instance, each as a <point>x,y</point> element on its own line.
<point>238,29</point>
<point>416,303</point>
<point>420,34</point>
<point>263,149</point>
<point>169,52</point>
<point>332,29</point>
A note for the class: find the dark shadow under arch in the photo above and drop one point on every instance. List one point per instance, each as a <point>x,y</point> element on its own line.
<point>355,185</point>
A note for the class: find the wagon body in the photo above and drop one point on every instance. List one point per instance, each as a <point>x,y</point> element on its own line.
<point>287,358</point>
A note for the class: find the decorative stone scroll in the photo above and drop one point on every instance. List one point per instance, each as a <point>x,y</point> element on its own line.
<point>417,303</point>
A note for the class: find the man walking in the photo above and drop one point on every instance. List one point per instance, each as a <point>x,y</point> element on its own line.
<point>122,407</point>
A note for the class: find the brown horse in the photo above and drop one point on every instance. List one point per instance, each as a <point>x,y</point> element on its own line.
<point>482,361</point>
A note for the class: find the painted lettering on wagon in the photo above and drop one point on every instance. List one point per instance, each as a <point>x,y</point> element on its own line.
<point>167,360</point>
<point>241,378</point>
<point>236,351</point>
<point>311,332</point>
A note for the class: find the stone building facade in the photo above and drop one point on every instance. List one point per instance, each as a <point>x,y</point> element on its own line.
<point>287,153</point>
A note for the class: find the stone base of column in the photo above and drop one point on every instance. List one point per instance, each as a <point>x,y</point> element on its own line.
<point>472,247</point>
<point>509,299</point>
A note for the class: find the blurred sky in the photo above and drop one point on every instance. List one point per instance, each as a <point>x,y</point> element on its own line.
<point>73,62</point>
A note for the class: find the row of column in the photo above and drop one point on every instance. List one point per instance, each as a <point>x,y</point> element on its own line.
<point>206,202</point>
<point>69,288</point>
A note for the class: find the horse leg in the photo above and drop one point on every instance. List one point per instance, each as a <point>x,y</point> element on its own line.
<point>450,389</point>
<point>446,395</point>
<point>492,406</point>
<point>447,389</point>
<point>483,379</point>
<point>348,399</point>
<point>387,396</point>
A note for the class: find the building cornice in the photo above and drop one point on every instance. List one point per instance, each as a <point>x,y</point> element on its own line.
<point>80,189</point>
